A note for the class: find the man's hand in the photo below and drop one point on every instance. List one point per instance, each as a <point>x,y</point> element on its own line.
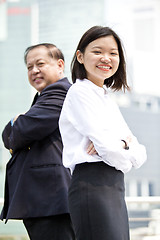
<point>15,118</point>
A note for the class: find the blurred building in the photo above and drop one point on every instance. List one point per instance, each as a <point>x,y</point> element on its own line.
<point>66,21</point>
<point>62,22</point>
<point>142,114</point>
<point>15,93</point>
<point>26,22</point>
<point>137,22</point>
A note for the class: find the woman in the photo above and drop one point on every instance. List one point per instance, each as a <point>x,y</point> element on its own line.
<point>98,145</point>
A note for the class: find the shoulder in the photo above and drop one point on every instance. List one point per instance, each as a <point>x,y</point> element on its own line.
<point>80,92</point>
<point>62,84</point>
<point>82,89</point>
<point>60,87</point>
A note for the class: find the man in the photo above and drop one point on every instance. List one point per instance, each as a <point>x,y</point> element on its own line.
<point>36,183</point>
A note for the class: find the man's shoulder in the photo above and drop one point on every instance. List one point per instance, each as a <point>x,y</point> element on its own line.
<point>63,84</point>
<point>59,88</point>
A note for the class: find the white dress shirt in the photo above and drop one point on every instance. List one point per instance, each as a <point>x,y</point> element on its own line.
<point>89,114</point>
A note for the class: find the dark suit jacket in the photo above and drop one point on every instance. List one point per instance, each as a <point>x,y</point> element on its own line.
<point>36,181</point>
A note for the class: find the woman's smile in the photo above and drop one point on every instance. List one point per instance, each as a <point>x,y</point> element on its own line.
<point>104,67</point>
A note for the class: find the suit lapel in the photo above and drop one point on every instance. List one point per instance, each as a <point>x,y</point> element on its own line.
<point>35,99</point>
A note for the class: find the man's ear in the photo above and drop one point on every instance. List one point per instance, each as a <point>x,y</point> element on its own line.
<point>60,63</point>
<point>79,55</point>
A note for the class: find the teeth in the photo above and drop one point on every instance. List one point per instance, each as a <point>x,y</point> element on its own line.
<point>105,67</point>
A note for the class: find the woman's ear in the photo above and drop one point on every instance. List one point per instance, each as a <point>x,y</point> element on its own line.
<point>79,55</point>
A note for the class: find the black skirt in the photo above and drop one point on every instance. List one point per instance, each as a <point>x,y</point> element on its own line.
<point>96,202</point>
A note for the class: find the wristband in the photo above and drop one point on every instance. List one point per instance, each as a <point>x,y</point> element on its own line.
<point>126,146</point>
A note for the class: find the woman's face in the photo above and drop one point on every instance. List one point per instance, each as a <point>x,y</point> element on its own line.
<point>100,59</point>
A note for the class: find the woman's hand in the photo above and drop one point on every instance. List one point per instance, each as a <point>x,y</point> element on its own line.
<point>91,149</point>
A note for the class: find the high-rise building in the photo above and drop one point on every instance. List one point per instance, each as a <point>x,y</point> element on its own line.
<point>64,22</point>
<point>15,92</point>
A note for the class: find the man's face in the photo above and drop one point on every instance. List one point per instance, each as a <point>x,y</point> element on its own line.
<point>43,70</point>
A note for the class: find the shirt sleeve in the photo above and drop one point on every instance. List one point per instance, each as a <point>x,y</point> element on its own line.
<point>84,110</point>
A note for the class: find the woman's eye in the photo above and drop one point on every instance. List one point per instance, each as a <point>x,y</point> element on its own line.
<point>97,52</point>
<point>114,53</point>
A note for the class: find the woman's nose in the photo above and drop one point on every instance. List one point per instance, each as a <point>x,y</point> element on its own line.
<point>105,58</point>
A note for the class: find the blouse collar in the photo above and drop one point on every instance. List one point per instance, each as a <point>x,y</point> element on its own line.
<point>101,90</point>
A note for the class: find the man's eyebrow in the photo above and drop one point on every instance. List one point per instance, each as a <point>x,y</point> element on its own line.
<point>39,59</point>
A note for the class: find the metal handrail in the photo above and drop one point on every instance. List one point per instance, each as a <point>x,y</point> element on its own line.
<point>152,221</point>
<point>150,200</point>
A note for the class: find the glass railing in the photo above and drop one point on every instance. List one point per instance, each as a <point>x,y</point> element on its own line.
<point>144,221</point>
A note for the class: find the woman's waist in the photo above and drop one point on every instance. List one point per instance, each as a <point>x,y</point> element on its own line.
<point>97,173</point>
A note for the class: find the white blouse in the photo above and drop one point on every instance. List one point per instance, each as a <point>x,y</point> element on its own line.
<point>89,114</point>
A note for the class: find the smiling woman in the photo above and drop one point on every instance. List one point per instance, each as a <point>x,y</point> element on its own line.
<point>101,59</point>
<point>98,145</point>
